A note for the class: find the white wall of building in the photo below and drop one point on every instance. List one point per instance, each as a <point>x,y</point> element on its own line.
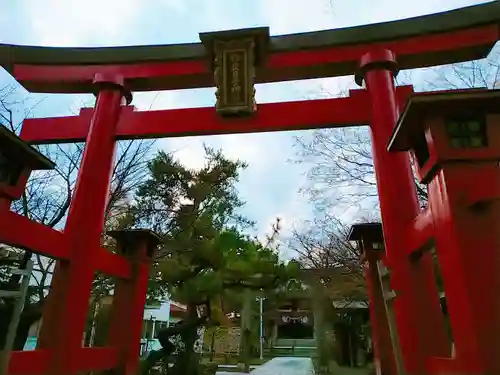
<point>161,313</point>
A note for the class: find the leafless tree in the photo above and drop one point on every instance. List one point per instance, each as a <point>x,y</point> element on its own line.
<point>341,159</point>
<point>323,245</point>
<point>47,199</point>
<point>474,74</point>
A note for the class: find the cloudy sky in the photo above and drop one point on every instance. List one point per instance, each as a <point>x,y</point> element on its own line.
<point>271,183</point>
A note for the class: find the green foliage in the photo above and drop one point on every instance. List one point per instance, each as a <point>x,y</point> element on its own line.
<point>184,204</point>
<point>223,267</point>
<point>196,211</point>
<point>205,257</point>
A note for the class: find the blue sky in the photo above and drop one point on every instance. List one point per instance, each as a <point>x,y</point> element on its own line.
<point>271,183</point>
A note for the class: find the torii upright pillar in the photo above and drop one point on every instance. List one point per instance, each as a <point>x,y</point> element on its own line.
<point>399,206</point>
<point>73,280</point>
<point>369,239</point>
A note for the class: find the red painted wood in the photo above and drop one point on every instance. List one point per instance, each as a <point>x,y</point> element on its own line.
<point>128,310</point>
<point>41,239</point>
<point>394,168</point>
<point>120,316</point>
<point>83,230</point>
<point>135,324</point>
<point>35,362</point>
<point>57,129</point>
<point>452,270</point>
<point>464,204</point>
<point>384,351</point>
<point>31,362</point>
<point>420,232</point>
<point>413,52</point>
<point>414,284</point>
<point>52,311</point>
<point>308,114</point>
<point>69,78</point>
<point>468,244</point>
<point>112,264</point>
<point>437,365</point>
<point>412,48</point>
<point>97,359</point>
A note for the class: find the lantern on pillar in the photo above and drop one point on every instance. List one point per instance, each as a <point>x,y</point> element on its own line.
<point>447,127</point>
<point>235,55</point>
<point>369,238</point>
<point>17,160</point>
<point>454,138</point>
<point>138,244</point>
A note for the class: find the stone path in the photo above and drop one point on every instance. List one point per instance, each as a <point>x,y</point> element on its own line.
<point>281,366</point>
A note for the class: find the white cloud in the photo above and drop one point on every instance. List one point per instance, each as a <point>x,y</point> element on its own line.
<point>388,10</point>
<point>286,17</point>
<point>76,23</point>
<point>178,6</point>
<point>189,151</point>
<point>155,100</point>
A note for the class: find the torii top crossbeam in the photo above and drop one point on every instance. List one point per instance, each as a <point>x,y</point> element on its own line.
<point>459,35</point>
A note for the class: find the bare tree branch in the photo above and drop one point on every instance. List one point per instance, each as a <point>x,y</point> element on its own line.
<point>323,244</point>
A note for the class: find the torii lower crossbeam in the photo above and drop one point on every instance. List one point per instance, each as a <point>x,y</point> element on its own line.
<point>299,115</point>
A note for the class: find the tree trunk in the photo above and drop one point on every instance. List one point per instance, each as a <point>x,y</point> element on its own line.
<point>187,361</point>
<point>246,323</point>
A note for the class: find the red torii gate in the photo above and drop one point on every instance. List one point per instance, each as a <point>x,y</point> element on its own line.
<point>113,73</point>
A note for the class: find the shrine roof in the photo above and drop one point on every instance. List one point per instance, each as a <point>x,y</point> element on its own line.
<point>420,105</point>
<point>189,66</point>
